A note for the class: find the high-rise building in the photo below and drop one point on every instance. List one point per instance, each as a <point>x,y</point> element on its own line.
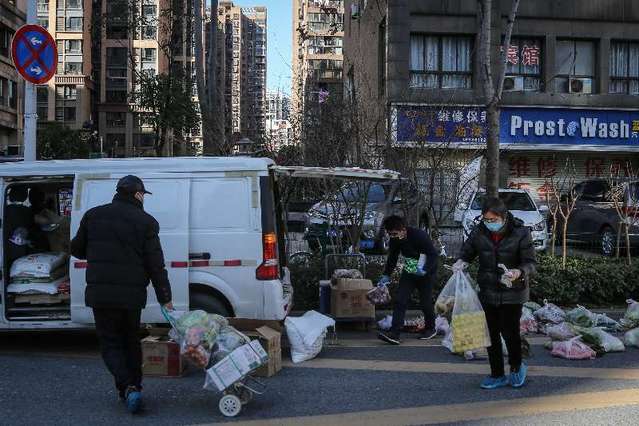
<point>244,83</point>
<point>278,105</point>
<point>318,30</point>
<point>134,40</point>
<point>11,86</point>
<point>67,98</point>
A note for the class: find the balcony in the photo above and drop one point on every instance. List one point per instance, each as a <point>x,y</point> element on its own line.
<point>78,80</point>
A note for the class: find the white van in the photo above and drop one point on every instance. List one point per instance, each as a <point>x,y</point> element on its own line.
<point>219,227</point>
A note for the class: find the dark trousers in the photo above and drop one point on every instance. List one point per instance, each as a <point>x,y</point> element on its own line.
<point>503,321</point>
<point>407,284</point>
<point>118,333</point>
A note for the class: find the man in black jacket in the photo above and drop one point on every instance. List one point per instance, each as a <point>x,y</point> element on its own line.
<point>121,245</point>
<point>420,269</point>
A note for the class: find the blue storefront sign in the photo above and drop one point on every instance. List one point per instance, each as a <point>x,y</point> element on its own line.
<point>562,126</point>
<point>440,124</point>
<point>519,126</point>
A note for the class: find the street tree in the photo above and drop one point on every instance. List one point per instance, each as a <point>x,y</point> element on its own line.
<point>565,196</point>
<point>492,82</point>
<point>624,195</point>
<point>58,142</point>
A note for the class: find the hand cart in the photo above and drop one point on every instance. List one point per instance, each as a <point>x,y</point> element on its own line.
<point>239,392</point>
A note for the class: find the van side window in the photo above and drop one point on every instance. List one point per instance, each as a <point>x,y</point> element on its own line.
<point>218,203</point>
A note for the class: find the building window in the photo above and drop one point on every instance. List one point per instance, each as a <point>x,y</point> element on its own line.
<point>42,6</point>
<point>73,24</point>
<point>65,104</point>
<point>117,25</point>
<point>13,94</point>
<point>73,4</point>
<point>440,62</point>
<point>574,60</point>
<point>116,69</point>
<point>523,60</point>
<point>116,119</point>
<point>73,68</point>
<point>73,46</point>
<point>624,68</point>
<point>6,35</point>
<point>42,93</point>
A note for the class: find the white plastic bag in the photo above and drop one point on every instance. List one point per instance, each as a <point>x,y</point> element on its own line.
<point>306,334</point>
<point>550,313</point>
<point>631,317</point>
<point>385,323</point>
<point>631,338</point>
<point>441,325</point>
<point>561,332</point>
<point>468,326</point>
<point>527,322</point>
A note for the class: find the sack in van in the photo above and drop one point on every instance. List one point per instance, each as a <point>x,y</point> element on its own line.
<point>38,265</point>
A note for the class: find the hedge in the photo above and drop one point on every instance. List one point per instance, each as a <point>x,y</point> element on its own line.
<point>595,282</point>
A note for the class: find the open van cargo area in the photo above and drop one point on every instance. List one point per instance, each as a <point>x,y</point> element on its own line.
<point>36,239</point>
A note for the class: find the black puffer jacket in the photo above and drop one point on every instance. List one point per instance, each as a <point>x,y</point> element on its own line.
<point>121,245</point>
<point>515,250</point>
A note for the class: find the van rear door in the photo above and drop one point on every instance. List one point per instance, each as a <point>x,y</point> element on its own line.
<point>169,206</point>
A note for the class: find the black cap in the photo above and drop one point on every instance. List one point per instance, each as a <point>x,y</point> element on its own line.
<point>131,184</point>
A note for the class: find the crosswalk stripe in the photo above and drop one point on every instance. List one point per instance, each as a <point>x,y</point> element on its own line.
<point>517,407</point>
<point>465,368</point>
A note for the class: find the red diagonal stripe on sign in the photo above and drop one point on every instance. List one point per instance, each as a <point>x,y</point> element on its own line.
<point>35,54</point>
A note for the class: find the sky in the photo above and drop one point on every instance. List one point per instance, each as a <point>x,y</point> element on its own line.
<point>279,39</point>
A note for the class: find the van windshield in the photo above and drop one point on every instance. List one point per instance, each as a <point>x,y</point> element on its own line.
<point>513,200</point>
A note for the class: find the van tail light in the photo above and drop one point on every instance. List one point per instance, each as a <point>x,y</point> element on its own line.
<point>269,269</point>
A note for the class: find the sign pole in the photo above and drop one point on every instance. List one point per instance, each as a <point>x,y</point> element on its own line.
<point>30,113</point>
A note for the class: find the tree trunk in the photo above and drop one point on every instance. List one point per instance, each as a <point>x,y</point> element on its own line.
<point>628,254</point>
<point>553,240</point>
<point>564,246</point>
<point>200,77</point>
<point>492,150</point>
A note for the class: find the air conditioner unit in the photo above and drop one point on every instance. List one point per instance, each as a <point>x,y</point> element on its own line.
<point>580,85</point>
<point>513,83</point>
<point>354,11</point>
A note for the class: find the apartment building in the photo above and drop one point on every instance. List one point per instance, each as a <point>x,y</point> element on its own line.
<point>318,31</point>
<point>12,16</point>
<point>571,92</point>
<point>67,98</point>
<point>278,127</point>
<point>278,105</point>
<point>244,71</point>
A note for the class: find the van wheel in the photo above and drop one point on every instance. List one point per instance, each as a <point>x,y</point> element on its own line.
<point>207,303</point>
<point>608,241</point>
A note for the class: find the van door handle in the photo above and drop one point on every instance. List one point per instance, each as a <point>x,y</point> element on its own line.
<point>200,256</point>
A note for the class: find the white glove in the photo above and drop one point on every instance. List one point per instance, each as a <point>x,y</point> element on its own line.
<point>460,266</point>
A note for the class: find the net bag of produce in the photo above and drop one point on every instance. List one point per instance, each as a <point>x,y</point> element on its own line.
<point>572,349</point>
<point>560,332</point>
<point>631,317</point>
<point>468,325</point>
<point>581,317</point>
<point>527,322</point>
<point>631,338</point>
<point>550,313</point>
<point>379,295</point>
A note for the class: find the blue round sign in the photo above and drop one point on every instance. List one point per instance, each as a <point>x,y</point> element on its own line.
<point>34,53</point>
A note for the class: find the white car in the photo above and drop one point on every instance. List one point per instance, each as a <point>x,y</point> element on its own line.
<point>520,204</point>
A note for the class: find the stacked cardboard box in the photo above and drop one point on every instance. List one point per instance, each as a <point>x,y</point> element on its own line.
<point>161,356</point>
<point>348,299</point>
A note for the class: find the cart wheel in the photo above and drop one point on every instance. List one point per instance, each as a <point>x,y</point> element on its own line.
<point>245,395</point>
<point>230,405</point>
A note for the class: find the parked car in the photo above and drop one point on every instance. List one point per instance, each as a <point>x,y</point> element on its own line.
<point>330,219</point>
<point>595,219</point>
<point>520,204</point>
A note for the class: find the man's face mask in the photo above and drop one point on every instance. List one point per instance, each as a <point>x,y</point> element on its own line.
<point>397,235</point>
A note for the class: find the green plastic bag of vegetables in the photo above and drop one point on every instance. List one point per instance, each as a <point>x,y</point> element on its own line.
<point>631,317</point>
<point>600,340</point>
<point>581,317</point>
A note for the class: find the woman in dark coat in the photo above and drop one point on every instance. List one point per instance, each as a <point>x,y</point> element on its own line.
<point>501,238</point>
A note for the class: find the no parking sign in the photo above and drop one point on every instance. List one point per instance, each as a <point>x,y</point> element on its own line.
<point>34,54</point>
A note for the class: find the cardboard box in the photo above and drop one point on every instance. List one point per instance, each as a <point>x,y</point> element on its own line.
<point>237,364</point>
<point>161,357</point>
<point>351,284</point>
<point>271,341</point>
<point>352,303</point>
<point>244,324</point>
